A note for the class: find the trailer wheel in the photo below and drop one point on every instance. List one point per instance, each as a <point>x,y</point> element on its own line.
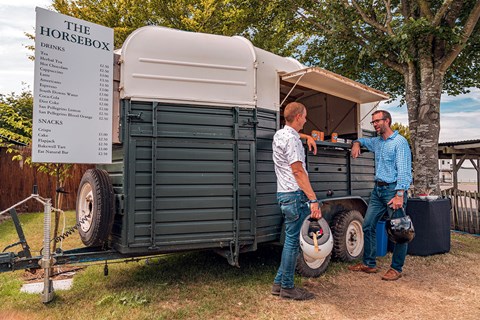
<point>347,236</point>
<point>311,268</point>
<point>95,207</point>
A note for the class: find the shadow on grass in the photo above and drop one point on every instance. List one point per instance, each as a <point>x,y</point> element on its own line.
<point>201,267</point>
<point>203,274</point>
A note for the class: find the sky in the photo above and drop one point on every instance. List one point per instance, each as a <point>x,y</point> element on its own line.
<point>459,116</point>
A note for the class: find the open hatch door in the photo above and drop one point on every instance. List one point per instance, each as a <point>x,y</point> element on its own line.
<point>331,83</point>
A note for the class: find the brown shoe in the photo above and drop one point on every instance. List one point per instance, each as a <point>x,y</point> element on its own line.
<point>392,275</point>
<point>363,268</point>
<point>296,294</point>
<point>276,289</point>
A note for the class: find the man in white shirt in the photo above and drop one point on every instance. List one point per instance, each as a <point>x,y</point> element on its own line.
<point>295,196</point>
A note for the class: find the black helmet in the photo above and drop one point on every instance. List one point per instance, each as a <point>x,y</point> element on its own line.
<point>400,230</point>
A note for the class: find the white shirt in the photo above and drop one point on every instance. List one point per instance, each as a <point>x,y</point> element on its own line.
<point>287,149</point>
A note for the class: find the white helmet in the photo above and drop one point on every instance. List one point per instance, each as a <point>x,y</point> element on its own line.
<point>320,230</point>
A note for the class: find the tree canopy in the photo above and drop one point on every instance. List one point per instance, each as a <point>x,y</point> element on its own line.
<point>16,117</point>
<point>376,42</point>
<point>264,22</point>
<point>16,129</point>
<point>403,130</point>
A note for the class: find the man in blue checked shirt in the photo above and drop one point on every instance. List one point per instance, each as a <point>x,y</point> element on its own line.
<point>393,175</point>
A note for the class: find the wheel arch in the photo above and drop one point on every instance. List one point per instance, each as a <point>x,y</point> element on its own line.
<point>332,206</point>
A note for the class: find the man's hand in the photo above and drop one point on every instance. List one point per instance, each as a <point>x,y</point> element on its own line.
<point>355,149</point>
<point>312,145</point>
<point>396,202</point>
<point>315,211</point>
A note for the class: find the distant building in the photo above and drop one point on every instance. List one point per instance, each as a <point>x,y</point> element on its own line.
<point>465,173</point>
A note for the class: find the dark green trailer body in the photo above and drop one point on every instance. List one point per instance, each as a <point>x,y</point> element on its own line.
<point>190,177</point>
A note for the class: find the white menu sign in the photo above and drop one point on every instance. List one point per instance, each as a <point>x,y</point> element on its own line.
<point>72,114</point>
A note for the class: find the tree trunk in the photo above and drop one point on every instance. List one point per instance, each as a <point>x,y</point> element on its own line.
<point>423,101</point>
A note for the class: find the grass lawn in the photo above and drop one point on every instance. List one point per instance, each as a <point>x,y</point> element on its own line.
<point>201,285</point>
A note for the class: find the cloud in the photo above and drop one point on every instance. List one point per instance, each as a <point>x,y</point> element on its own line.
<point>15,67</point>
<point>459,126</point>
<point>459,116</point>
<point>399,113</point>
<point>474,94</point>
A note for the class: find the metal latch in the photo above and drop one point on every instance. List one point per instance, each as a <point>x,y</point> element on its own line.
<point>250,122</point>
<point>137,116</point>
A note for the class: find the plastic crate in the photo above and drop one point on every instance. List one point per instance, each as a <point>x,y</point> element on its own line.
<point>381,239</point>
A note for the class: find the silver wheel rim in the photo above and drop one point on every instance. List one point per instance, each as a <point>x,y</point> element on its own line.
<point>313,263</point>
<point>354,238</point>
<point>85,207</point>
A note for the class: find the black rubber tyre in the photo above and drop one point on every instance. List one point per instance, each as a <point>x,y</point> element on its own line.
<point>311,268</point>
<point>95,207</point>
<point>347,236</point>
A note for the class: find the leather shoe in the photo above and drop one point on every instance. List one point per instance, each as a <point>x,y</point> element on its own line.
<point>363,268</point>
<point>392,275</point>
<point>276,289</point>
<point>296,294</point>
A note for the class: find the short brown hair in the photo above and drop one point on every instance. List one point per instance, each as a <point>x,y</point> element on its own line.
<point>292,110</point>
<point>385,115</point>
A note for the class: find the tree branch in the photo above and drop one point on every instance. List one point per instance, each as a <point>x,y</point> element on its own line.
<point>390,61</point>
<point>395,66</point>
<point>389,17</point>
<point>366,18</point>
<point>425,9</point>
<point>467,31</point>
<point>320,26</point>
<point>441,12</point>
<point>363,39</point>
<point>405,8</point>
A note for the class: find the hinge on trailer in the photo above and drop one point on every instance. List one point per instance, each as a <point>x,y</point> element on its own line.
<point>232,256</point>
<point>250,122</point>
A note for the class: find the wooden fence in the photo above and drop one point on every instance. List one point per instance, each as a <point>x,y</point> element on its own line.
<point>465,210</point>
<point>16,183</point>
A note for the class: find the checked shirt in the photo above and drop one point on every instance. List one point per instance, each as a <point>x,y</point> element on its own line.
<point>393,159</point>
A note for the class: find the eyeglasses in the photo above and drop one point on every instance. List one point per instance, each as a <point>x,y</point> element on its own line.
<point>377,121</point>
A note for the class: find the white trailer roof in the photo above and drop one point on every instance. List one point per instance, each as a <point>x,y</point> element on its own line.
<point>164,64</point>
<point>168,65</point>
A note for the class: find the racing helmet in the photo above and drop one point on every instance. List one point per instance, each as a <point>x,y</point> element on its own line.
<point>319,229</point>
<point>400,230</point>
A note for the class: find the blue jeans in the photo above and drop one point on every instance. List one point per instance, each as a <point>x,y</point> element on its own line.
<point>294,209</point>
<point>377,208</point>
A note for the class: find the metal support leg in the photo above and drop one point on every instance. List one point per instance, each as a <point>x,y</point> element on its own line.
<point>21,236</point>
<point>46,261</point>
